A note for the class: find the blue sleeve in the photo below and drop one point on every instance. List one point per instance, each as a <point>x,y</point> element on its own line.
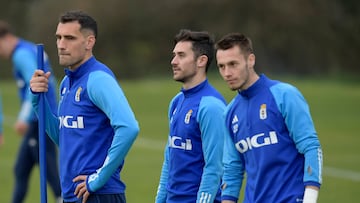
<point>296,114</point>
<point>110,98</point>
<point>52,121</point>
<point>233,168</point>
<point>25,63</point>
<point>212,129</point>
<point>162,191</point>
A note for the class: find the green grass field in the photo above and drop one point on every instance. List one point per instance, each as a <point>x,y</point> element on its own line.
<point>335,107</point>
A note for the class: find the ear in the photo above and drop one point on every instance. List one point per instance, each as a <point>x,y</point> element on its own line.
<point>251,60</point>
<point>90,42</point>
<point>201,61</point>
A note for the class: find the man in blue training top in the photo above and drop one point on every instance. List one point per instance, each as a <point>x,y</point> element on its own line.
<point>95,126</point>
<point>270,133</point>
<point>23,55</point>
<point>192,166</point>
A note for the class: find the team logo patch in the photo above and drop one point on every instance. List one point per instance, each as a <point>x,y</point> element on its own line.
<point>263,114</point>
<point>188,116</point>
<point>77,95</point>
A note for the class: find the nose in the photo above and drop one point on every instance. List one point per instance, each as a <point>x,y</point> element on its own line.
<point>174,61</point>
<point>225,72</point>
<point>60,43</point>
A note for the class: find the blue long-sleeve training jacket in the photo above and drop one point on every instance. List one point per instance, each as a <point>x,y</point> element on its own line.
<point>24,60</point>
<point>95,128</point>
<point>271,137</point>
<point>192,166</point>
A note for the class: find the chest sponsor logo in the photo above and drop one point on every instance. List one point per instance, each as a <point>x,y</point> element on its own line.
<point>178,143</point>
<point>256,141</point>
<point>71,122</point>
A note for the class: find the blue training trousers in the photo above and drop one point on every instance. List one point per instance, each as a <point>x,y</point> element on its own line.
<point>28,157</point>
<point>104,198</point>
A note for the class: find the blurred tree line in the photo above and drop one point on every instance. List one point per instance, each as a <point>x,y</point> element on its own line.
<point>317,37</point>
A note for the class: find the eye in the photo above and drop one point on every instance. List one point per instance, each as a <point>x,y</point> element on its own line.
<point>181,55</point>
<point>70,37</point>
<point>232,64</point>
<point>221,66</point>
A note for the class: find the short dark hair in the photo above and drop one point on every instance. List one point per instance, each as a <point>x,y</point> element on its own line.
<point>235,39</point>
<point>4,28</point>
<point>202,43</point>
<point>85,20</point>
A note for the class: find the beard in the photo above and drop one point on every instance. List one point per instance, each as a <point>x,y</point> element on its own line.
<point>184,77</point>
<point>68,62</point>
<point>243,81</point>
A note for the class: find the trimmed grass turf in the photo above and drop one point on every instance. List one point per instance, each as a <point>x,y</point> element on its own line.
<point>334,106</point>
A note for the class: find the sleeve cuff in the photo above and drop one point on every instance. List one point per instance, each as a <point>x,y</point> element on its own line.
<point>88,185</point>
<point>312,183</point>
<point>228,197</point>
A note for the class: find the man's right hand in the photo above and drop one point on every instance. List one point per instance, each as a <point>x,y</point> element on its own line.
<point>39,81</point>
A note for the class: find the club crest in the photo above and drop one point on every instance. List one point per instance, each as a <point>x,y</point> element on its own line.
<point>188,116</point>
<point>263,114</point>
<point>77,95</point>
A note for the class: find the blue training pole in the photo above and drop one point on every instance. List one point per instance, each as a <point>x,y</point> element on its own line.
<point>42,134</point>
